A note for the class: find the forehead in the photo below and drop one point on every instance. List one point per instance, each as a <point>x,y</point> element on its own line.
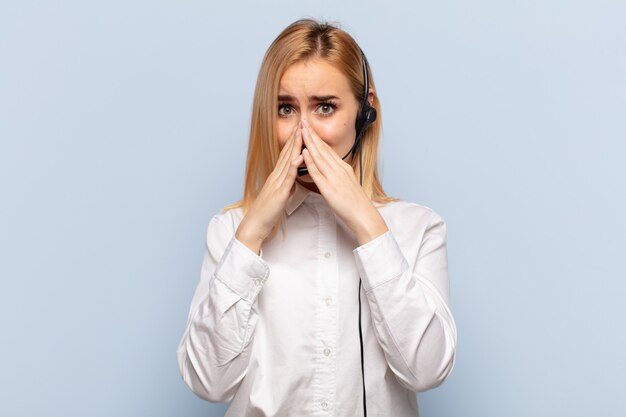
<point>314,76</point>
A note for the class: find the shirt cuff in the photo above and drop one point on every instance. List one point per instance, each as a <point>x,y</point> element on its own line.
<point>242,270</point>
<point>379,260</point>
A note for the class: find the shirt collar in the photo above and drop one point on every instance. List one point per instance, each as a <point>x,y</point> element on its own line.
<point>298,196</point>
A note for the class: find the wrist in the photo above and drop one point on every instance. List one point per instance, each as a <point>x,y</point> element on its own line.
<point>251,240</point>
<point>370,227</point>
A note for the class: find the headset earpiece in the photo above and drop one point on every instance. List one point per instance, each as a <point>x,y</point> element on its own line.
<point>370,117</point>
<point>367,114</point>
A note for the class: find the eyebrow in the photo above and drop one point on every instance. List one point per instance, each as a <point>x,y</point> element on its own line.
<point>288,98</point>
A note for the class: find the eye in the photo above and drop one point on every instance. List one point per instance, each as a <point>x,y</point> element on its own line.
<point>285,110</point>
<point>326,109</point>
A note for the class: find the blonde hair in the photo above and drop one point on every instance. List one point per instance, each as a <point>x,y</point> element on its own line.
<point>302,40</point>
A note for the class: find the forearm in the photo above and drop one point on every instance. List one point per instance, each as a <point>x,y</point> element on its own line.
<point>213,354</point>
<point>368,225</point>
<point>409,306</point>
<point>415,330</point>
<point>246,235</point>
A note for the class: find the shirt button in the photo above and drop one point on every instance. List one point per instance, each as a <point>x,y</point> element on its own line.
<point>257,282</point>
<point>324,404</point>
<point>327,254</point>
<point>328,301</point>
<point>326,351</point>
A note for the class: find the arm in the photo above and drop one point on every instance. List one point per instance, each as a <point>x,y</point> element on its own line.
<point>410,305</point>
<point>214,352</point>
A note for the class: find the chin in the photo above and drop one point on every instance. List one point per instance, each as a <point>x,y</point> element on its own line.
<point>307,182</point>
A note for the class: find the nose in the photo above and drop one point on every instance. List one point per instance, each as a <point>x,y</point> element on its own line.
<point>297,122</point>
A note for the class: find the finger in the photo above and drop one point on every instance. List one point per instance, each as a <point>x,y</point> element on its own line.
<point>318,141</point>
<point>297,145</point>
<point>318,154</point>
<point>285,151</point>
<point>284,167</point>
<point>314,172</point>
<point>334,159</point>
<point>331,157</point>
<point>293,170</point>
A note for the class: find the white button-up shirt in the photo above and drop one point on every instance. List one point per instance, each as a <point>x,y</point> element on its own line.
<point>277,334</point>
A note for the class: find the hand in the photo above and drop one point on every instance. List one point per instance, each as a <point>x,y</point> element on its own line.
<point>258,222</point>
<point>338,185</point>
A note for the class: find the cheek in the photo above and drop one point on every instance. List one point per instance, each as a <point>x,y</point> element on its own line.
<point>336,132</point>
<point>285,128</point>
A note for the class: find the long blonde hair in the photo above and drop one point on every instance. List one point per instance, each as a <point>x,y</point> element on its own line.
<point>302,40</point>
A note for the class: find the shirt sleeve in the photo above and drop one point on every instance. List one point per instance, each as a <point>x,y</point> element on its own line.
<point>410,305</point>
<point>214,352</point>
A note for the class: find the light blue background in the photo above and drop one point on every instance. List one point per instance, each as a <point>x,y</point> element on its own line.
<point>123,129</point>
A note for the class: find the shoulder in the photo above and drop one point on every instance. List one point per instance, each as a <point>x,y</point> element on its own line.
<point>221,228</point>
<point>409,218</point>
<point>407,211</point>
<point>228,218</point>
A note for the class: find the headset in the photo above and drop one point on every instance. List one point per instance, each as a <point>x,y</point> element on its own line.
<point>366,116</point>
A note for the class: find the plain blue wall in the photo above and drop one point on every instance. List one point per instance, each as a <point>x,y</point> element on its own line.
<point>123,129</point>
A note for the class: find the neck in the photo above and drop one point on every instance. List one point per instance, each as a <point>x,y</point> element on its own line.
<point>309,185</point>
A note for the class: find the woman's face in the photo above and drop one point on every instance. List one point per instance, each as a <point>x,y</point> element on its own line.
<point>316,91</point>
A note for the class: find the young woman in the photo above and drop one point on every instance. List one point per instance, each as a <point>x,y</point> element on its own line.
<point>319,294</point>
